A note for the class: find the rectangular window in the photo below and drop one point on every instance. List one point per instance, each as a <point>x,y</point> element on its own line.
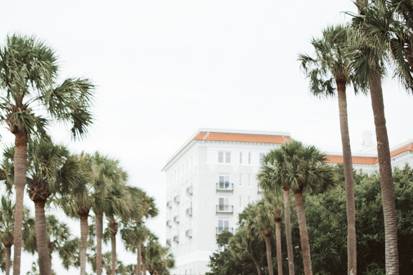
<point>227,157</point>
<point>240,157</point>
<point>223,225</point>
<point>224,182</point>
<point>220,157</point>
<point>223,202</point>
<point>249,157</point>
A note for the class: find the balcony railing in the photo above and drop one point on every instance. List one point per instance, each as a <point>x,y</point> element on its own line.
<point>177,200</point>
<point>188,233</point>
<point>176,219</point>
<point>169,204</point>
<point>168,242</point>
<point>225,187</point>
<point>169,223</point>
<point>220,230</point>
<point>176,239</point>
<point>189,190</point>
<point>226,209</point>
<point>189,211</point>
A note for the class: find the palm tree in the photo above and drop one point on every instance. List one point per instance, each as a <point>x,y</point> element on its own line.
<point>369,52</point>
<point>58,239</point>
<point>50,171</point>
<point>134,235</point>
<point>6,230</point>
<point>158,258</point>
<point>272,177</point>
<point>329,72</point>
<point>262,220</point>
<point>119,208</point>
<point>30,98</point>
<point>78,201</point>
<point>305,171</point>
<point>105,172</point>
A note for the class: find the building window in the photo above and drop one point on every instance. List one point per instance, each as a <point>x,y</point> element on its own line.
<point>224,157</point>
<point>223,224</point>
<point>249,157</point>
<point>240,157</point>
<point>224,182</point>
<point>221,157</point>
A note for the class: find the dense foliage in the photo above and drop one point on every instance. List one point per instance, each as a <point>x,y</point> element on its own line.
<point>326,220</point>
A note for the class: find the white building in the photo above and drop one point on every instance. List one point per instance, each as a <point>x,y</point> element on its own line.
<point>212,178</point>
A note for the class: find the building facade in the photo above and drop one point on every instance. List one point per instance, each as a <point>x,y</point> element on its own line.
<point>212,178</point>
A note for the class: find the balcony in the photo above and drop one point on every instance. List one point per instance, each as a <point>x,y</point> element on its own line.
<point>169,223</point>
<point>190,190</point>
<point>176,219</point>
<point>177,200</point>
<point>168,242</point>
<point>220,230</point>
<point>188,212</point>
<point>169,205</point>
<point>176,239</point>
<point>225,209</point>
<point>225,187</point>
<point>188,233</point>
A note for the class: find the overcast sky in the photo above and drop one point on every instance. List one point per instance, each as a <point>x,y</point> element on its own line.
<point>165,68</point>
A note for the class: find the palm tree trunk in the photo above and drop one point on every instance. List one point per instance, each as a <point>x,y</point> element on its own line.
<point>99,233</point>
<point>7,252</point>
<point>84,227</point>
<point>304,238</point>
<point>386,177</point>
<point>113,231</point>
<point>138,261</point>
<point>20,169</point>
<point>348,176</point>
<point>278,249</point>
<point>257,266</point>
<point>267,240</point>
<point>288,235</point>
<point>42,240</point>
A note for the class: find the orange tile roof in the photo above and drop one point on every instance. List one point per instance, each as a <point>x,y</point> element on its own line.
<point>338,159</point>
<point>401,150</point>
<point>240,137</point>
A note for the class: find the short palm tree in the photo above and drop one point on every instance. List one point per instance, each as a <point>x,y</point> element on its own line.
<point>262,219</point>
<point>369,53</point>
<point>329,72</point>
<point>77,203</point>
<point>119,208</point>
<point>305,170</point>
<point>30,98</point>
<point>104,173</point>
<point>159,260</point>
<point>272,178</point>
<point>134,235</point>
<point>6,230</point>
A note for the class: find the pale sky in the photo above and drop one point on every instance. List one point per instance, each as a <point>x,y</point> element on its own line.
<point>163,69</point>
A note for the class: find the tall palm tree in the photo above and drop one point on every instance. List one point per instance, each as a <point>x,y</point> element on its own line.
<point>77,202</point>
<point>272,177</point>
<point>305,171</point>
<point>28,80</point>
<point>329,72</point>
<point>51,169</point>
<point>369,52</point>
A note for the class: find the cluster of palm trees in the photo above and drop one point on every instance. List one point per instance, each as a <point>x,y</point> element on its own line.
<point>378,39</point>
<point>81,185</point>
